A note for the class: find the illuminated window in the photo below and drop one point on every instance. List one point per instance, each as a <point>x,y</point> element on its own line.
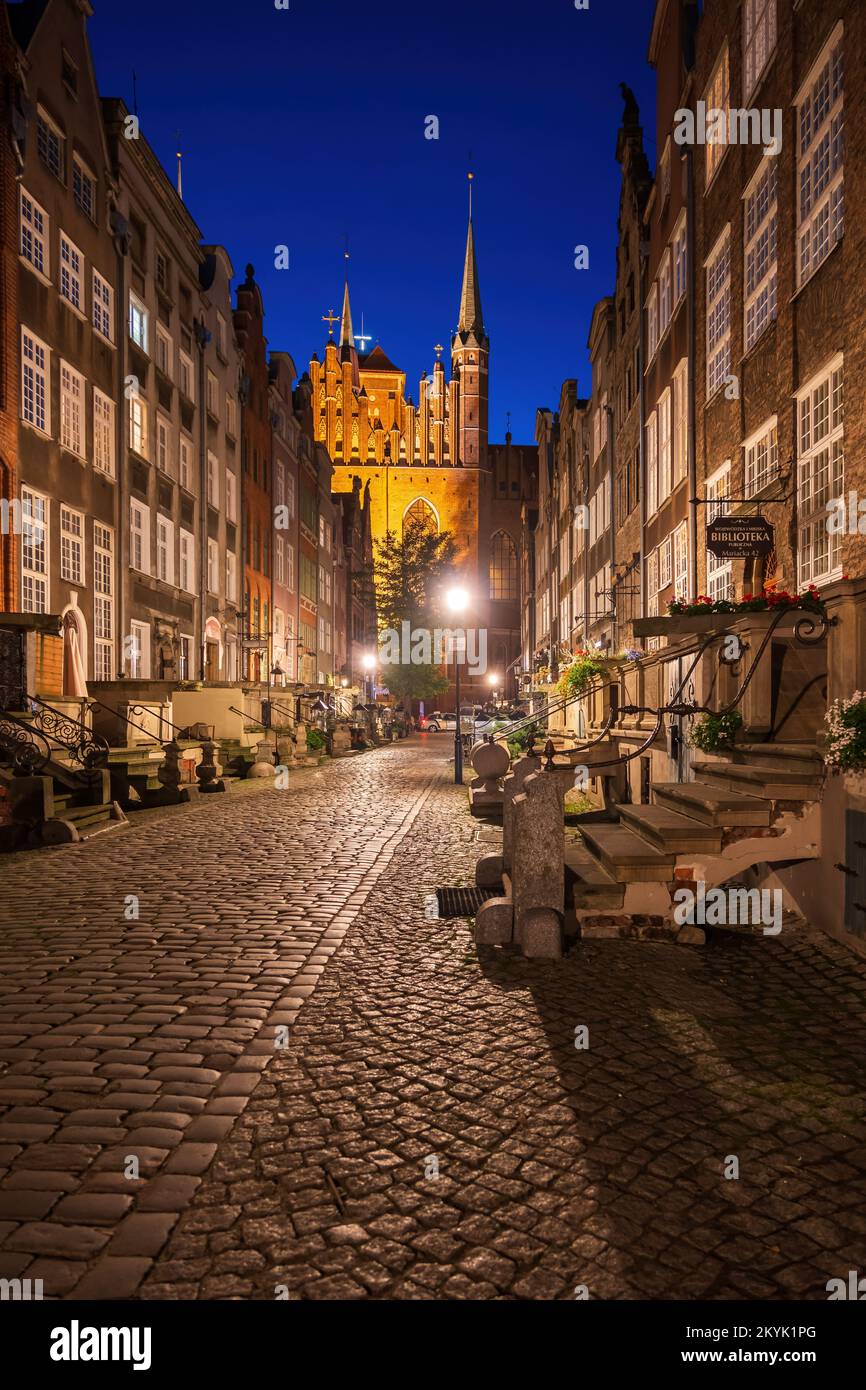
<point>421,516</point>
<point>503,567</point>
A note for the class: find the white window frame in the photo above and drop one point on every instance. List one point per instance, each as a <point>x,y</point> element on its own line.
<point>104,425</point>
<point>162,451</point>
<point>72,569</point>
<point>185,457</point>
<point>34,245</point>
<point>35,382</point>
<point>231,496</point>
<point>213,480</point>
<point>665,445</point>
<point>680,425</point>
<point>759,41</point>
<point>231,416</point>
<point>211,393</point>
<point>681,560</point>
<point>652,476</point>
<point>139,323</point>
<point>820,159</point>
<point>665,294</point>
<point>73,424</point>
<point>718,98</point>
<point>71,281</point>
<point>79,167</point>
<point>35,550</point>
<point>680,258</point>
<point>652,323</point>
<point>760,251</point>
<point>718,326</point>
<point>761,457</point>
<point>231,577</point>
<point>103,602</point>
<point>164,352</point>
<point>139,654</point>
<point>187,570</point>
<point>820,472</point>
<point>186,375</point>
<point>139,536</point>
<point>164,549</point>
<point>139,441</point>
<point>720,573</point>
<point>102,306</point>
<point>213,566</point>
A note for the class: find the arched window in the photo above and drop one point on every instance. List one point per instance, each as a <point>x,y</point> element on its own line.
<point>503,567</point>
<point>421,515</point>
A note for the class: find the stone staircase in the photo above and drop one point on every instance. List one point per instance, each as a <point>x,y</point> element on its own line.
<point>760,806</point>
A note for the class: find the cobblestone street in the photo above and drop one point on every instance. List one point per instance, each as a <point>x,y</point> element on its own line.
<point>430,1130</point>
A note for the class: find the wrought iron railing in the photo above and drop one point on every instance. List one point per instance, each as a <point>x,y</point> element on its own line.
<point>126,720</point>
<point>26,751</point>
<point>80,744</point>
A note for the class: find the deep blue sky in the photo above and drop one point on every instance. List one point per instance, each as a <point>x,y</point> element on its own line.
<point>307,125</point>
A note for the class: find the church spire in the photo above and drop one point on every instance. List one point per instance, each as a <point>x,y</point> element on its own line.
<point>347,338</point>
<point>471,318</point>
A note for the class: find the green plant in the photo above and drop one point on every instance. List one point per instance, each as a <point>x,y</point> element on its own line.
<point>580,672</point>
<point>716,732</point>
<point>846,734</point>
<point>315,740</point>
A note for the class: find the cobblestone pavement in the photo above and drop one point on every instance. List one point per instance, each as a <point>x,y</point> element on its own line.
<point>310,1171</point>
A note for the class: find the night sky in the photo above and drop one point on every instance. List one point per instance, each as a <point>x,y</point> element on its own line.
<point>306,126</point>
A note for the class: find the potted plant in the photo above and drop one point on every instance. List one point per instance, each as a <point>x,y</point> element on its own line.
<point>715,733</point>
<point>845,740</point>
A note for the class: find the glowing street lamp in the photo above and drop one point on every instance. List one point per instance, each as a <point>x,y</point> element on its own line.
<point>369,664</point>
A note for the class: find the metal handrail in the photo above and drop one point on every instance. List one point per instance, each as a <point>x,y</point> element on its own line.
<point>21,742</point>
<point>283,710</point>
<point>248,718</point>
<point>131,722</point>
<point>80,743</point>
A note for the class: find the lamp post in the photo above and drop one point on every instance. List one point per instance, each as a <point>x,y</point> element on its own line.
<point>457,601</point>
<point>368,664</point>
<point>493,682</point>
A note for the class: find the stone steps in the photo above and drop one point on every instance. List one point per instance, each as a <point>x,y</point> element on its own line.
<point>588,884</point>
<point>671,831</point>
<point>714,805</point>
<point>797,757</point>
<point>627,857</point>
<point>775,784</point>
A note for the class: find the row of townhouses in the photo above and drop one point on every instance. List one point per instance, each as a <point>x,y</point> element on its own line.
<point>725,383</point>
<point>163,495</point>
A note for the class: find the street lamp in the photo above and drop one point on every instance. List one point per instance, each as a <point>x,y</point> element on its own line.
<point>369,664</point>
<point>493,682</point>
<point>457,601</point>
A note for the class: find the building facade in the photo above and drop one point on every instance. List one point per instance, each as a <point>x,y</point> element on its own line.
<point>12,155</point>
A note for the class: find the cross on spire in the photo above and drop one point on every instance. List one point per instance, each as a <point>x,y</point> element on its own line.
<point>330,319</point>
<point>438,349</point>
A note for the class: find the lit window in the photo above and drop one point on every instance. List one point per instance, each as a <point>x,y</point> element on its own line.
<point>103,433</point>
<point>138,323</point>
<point>762,458</point>
<point>719,315</point>
<point>35,360</point>
<point>71,546</point>
<point>820,474</point>
<point>820,178</point>
<point>103,307</point>
<point>718,98</point>
<point>503,568</point>
<point>71,270</point>
<point>34,552</point>
<point>71,410</point>
<point>34,234</point>
<point>139,537</point>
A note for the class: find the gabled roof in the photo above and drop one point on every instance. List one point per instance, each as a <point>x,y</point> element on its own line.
<point>377,361</point>
<point>24,20</point>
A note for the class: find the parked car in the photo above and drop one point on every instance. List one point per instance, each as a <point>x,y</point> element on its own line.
<point>472,723</point>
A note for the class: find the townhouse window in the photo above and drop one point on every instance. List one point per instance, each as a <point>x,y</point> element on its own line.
<point>279,560</point>
<point>71,546</point>
<point>762,458</point>
<point>185,462</point>
<point>664,446</point>
<point>719,314</point>
<point>681,422</point>
<point>161,269</point>
<point>231,577</point>
<point>138,434</point>
<point>720,573</point>
<point>322,532</point>
<point>71,410</point>
<point>759,238</point>
<point>51,145</point>
<point>163,444</point>
<point>103,602</point>
<point>165,549</point>
<point>279,485</point>
<point>681,246</point>
<point>186,572</point>
<point>221,336</point>
<point>33,222</point>
<point>231,417</point>
<point>665,176</point>
<point>290,567</point>
<point>666,563</point>
<point>71,273</point>
<point>34,551</point>
<point>164,352</point>
<point>718,98</point>
<point>139,651</point>
<point>102,307</point>
<point>820,474</point>
<point>665,290</point>
<point>290,494</point>
<point>35,396</point>
<point>213,481</point>
<point>186,377</point>
<point>138,323</point>
<point>185,658</point>
<point>759,40</point>
<point>231,496</point>
<point>652,322</point>
<point>820,174</point>
<point>211,400</point>
<point>103,433</point>
<point>213,567</point>
<point>652,465</point>
<point>681,561</point>
<point>139,537</point>
<point>84,189</point>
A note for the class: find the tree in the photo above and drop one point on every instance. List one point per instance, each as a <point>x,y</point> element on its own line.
<point>408,573</point>
<point>407,682</point>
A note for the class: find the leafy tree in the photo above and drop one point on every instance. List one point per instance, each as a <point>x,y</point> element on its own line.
<point>407,682</point>
<point>409,570</point>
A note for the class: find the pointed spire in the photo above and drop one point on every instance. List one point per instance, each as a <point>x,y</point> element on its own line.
<point>471,318</point>
<point>347,337</point>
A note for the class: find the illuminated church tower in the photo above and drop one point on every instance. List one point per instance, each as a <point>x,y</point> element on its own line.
<point>470,362</point>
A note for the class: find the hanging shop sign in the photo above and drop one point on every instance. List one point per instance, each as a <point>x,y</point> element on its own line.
<point>740,537</point>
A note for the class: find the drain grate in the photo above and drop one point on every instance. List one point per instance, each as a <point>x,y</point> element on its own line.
<point>463,902</point>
